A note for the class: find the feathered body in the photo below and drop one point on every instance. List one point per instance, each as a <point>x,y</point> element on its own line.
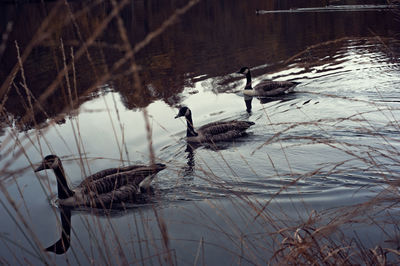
<point>265,88</point>
<point>104,188</point>
<point>213,132</point>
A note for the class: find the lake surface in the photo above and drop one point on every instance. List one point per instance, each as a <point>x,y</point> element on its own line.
<point>333,142</point>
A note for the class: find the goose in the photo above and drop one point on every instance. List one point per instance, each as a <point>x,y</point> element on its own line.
<point>265,88</point>
<point>102,189</point>
<point>213,132</point>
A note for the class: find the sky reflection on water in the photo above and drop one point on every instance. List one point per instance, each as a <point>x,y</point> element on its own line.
<point>342,114</point>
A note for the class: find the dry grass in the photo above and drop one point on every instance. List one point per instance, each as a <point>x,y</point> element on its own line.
<point>319,240</point>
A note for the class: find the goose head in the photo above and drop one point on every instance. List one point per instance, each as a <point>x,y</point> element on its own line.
<point>49,162</point>
<point>53,162</point>
<point>184,111</point>
<point>244,71</point>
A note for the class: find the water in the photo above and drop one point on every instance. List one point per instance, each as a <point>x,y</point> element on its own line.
<point>332,142</point>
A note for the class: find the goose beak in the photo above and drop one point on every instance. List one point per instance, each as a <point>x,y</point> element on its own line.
<point>177,116</point>
<point>39,168</point>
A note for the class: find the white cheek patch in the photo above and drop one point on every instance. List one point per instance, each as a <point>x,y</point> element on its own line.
<point>55,163</point>
<point>246,71</point>
<point>187,112</point>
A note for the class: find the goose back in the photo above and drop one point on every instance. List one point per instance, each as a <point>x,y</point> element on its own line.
<point>224,131</point>
<point>216,128</point>
<point>106,172</point>
<point>272,85</point>
<point>109,183</point>
<point>227,136</point>
<point>269,88</point>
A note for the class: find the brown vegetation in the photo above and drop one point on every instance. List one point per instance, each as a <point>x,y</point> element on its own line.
<point>77,44</point>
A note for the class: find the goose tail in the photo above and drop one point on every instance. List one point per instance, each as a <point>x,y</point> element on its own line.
<point>158,166</point>
<point>155,168</point>
<point>243,125</point>
<point>250,123</point>
<point>295,83</point>
<point>145,183</point>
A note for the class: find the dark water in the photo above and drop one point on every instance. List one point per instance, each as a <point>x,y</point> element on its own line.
<point>332,142</point>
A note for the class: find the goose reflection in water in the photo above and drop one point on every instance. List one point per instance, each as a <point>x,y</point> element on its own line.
<point>63,244</point>
<point>188,169</point>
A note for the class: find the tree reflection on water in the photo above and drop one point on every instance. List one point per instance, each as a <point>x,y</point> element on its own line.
<point>213,41</point>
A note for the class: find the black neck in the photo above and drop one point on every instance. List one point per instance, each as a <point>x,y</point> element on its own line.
<point>190,130</point>
<point>62,245</point>
<point>64,191</point>
<point>248,83</point>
